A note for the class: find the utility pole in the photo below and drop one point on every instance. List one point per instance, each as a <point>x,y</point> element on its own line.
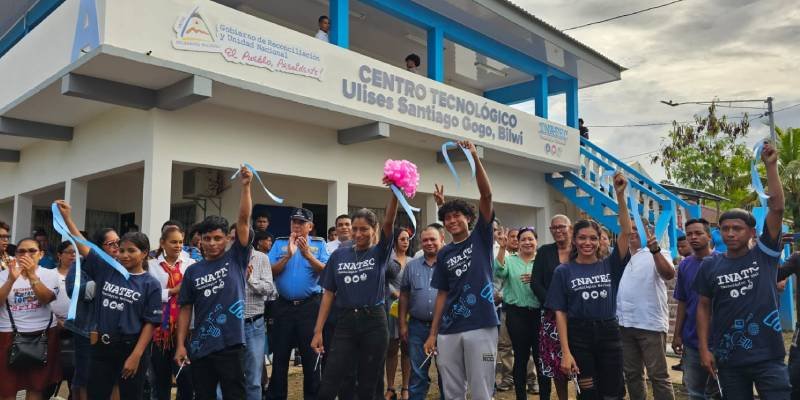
<point>772,133</point>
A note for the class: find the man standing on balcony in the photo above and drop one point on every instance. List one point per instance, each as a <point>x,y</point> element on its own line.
<point>684,340</point>
<point>738,304</point>
<point>643,316</point>
<point>324,27</point>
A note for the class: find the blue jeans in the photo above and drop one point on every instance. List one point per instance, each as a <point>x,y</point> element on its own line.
<point>770,377</point>
<point>419,383</point>
<point>698,384</point>
<point>254,334</point>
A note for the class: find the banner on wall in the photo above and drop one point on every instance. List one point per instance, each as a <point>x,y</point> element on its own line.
<point>236,45</point>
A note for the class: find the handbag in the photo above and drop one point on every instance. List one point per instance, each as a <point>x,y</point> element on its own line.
<point>28,350</point>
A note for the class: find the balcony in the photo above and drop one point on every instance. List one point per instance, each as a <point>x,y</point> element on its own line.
<point>134,62</point>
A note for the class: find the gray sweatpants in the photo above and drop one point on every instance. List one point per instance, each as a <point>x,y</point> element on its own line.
<point>468,358</point>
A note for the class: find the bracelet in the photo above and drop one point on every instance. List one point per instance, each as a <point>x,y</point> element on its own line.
<point>656,251</point>
<point>35,282</point>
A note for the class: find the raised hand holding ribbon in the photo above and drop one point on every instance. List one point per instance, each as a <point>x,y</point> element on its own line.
<point>59,209</point>
<point>252,170</point>
<point>402,174</point>
<point>755,177</point>
<point>622,188</point>
<point>466,147</point>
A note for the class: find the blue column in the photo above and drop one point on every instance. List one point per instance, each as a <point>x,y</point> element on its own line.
<point>572,102</point>
<point>436,54</point>
<point>540,95</point>
<point>340,23</point>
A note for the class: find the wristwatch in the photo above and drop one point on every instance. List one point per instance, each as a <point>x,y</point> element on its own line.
<point>656,251</point>
<point>35,282</point>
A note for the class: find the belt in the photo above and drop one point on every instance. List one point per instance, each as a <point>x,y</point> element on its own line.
<point>301,301</point>
<point>254,318</point>
<point>362,308</point>
<point>593,322</point>
<point>108,338</point>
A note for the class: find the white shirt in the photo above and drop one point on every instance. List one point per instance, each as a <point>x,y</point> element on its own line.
<point>331,246</point>
<point>155,269</point>
<point>642,296</point>
<point>60,305</point>
<point>29,314</point>
<point>322,35</point>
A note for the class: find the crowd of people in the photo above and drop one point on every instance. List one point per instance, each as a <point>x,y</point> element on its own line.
<point>201,310</point>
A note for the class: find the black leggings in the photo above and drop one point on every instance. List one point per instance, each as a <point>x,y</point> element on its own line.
<point>359,344</point>
<point>107,363</point>
<point>523,328</point>
<point>597,349</point>
<point>164,368</point>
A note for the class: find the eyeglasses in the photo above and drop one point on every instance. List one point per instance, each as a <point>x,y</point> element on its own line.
<point>22,252</point>
<point>5,237</point>
<point>559,227</point>
<point>112,243</point>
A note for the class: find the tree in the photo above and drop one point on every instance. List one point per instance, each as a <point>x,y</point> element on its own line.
<point>789,170</point>
<point>709,154</point>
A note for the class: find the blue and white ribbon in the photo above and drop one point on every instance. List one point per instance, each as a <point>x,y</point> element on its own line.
<point>755,177</point>
<point>608,176</point>
<point>255,173</point>
<point>409,209</point>
<point>449,163</point>
<point>61,227</point>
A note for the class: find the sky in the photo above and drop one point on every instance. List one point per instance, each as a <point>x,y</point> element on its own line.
<point>695,50</point>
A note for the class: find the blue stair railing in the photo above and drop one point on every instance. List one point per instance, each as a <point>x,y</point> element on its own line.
<point>588,190</point>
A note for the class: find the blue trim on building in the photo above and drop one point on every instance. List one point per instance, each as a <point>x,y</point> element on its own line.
<point>572,103</point>
<point>36,14</point>
<point>524,91</point>
<point>340,23</point>
<point>417,15</point>
<point>87,30</point>
<point>436,54</point>
<point>541,96</point>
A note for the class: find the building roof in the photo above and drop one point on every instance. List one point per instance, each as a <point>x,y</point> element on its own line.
<point>689,192</point>
<point>536,20</point>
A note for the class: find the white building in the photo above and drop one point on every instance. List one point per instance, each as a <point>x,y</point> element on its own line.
<point>136,110</point>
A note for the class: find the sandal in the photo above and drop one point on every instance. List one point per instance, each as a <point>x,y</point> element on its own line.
<point>405,389</point>
<point>393,392</point>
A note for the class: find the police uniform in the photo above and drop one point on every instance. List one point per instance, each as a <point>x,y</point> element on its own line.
<point>295,311</point>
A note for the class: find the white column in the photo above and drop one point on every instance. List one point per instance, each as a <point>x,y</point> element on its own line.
<point>431,212</point>
<point>156,196</point>
<point>23,216</point>
<point>75,194</point>
<point>337,201</point>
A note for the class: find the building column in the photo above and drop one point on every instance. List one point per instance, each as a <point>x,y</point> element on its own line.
<point>436,54</point>
<point>156,196</point>
<point>75,194</point>
<point>23,217</point>
<point>540,95</point>
<point>340,23</point>
<point>572,103</point>
<point>430,212</point>
<point>337,200</point>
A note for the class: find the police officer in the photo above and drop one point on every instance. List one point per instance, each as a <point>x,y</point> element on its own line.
<point>297,262</point>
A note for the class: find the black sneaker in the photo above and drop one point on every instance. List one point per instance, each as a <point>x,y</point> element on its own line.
<point>678,366</point>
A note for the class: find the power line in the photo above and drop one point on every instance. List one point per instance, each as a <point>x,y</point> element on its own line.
<point>622,16</point>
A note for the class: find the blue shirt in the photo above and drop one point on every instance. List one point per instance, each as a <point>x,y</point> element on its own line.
<point>298,279</point>
<point>416,281</point>
<point>745,323</point>
<point>122,306</point>
<point>464,271</point>
<point>358,277</point>
<point>194,252</point>
<point>48,261</point>
<point>684,291</point>
<point>216,290</point>
<point>587,291</point>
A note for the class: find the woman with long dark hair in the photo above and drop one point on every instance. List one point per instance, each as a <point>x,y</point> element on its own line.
<point>168,268</point>
<point>126,312</point>
<point>353,280</point>
<point>548,258</point>
<point>397,263</point>
<point>583,294</point>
